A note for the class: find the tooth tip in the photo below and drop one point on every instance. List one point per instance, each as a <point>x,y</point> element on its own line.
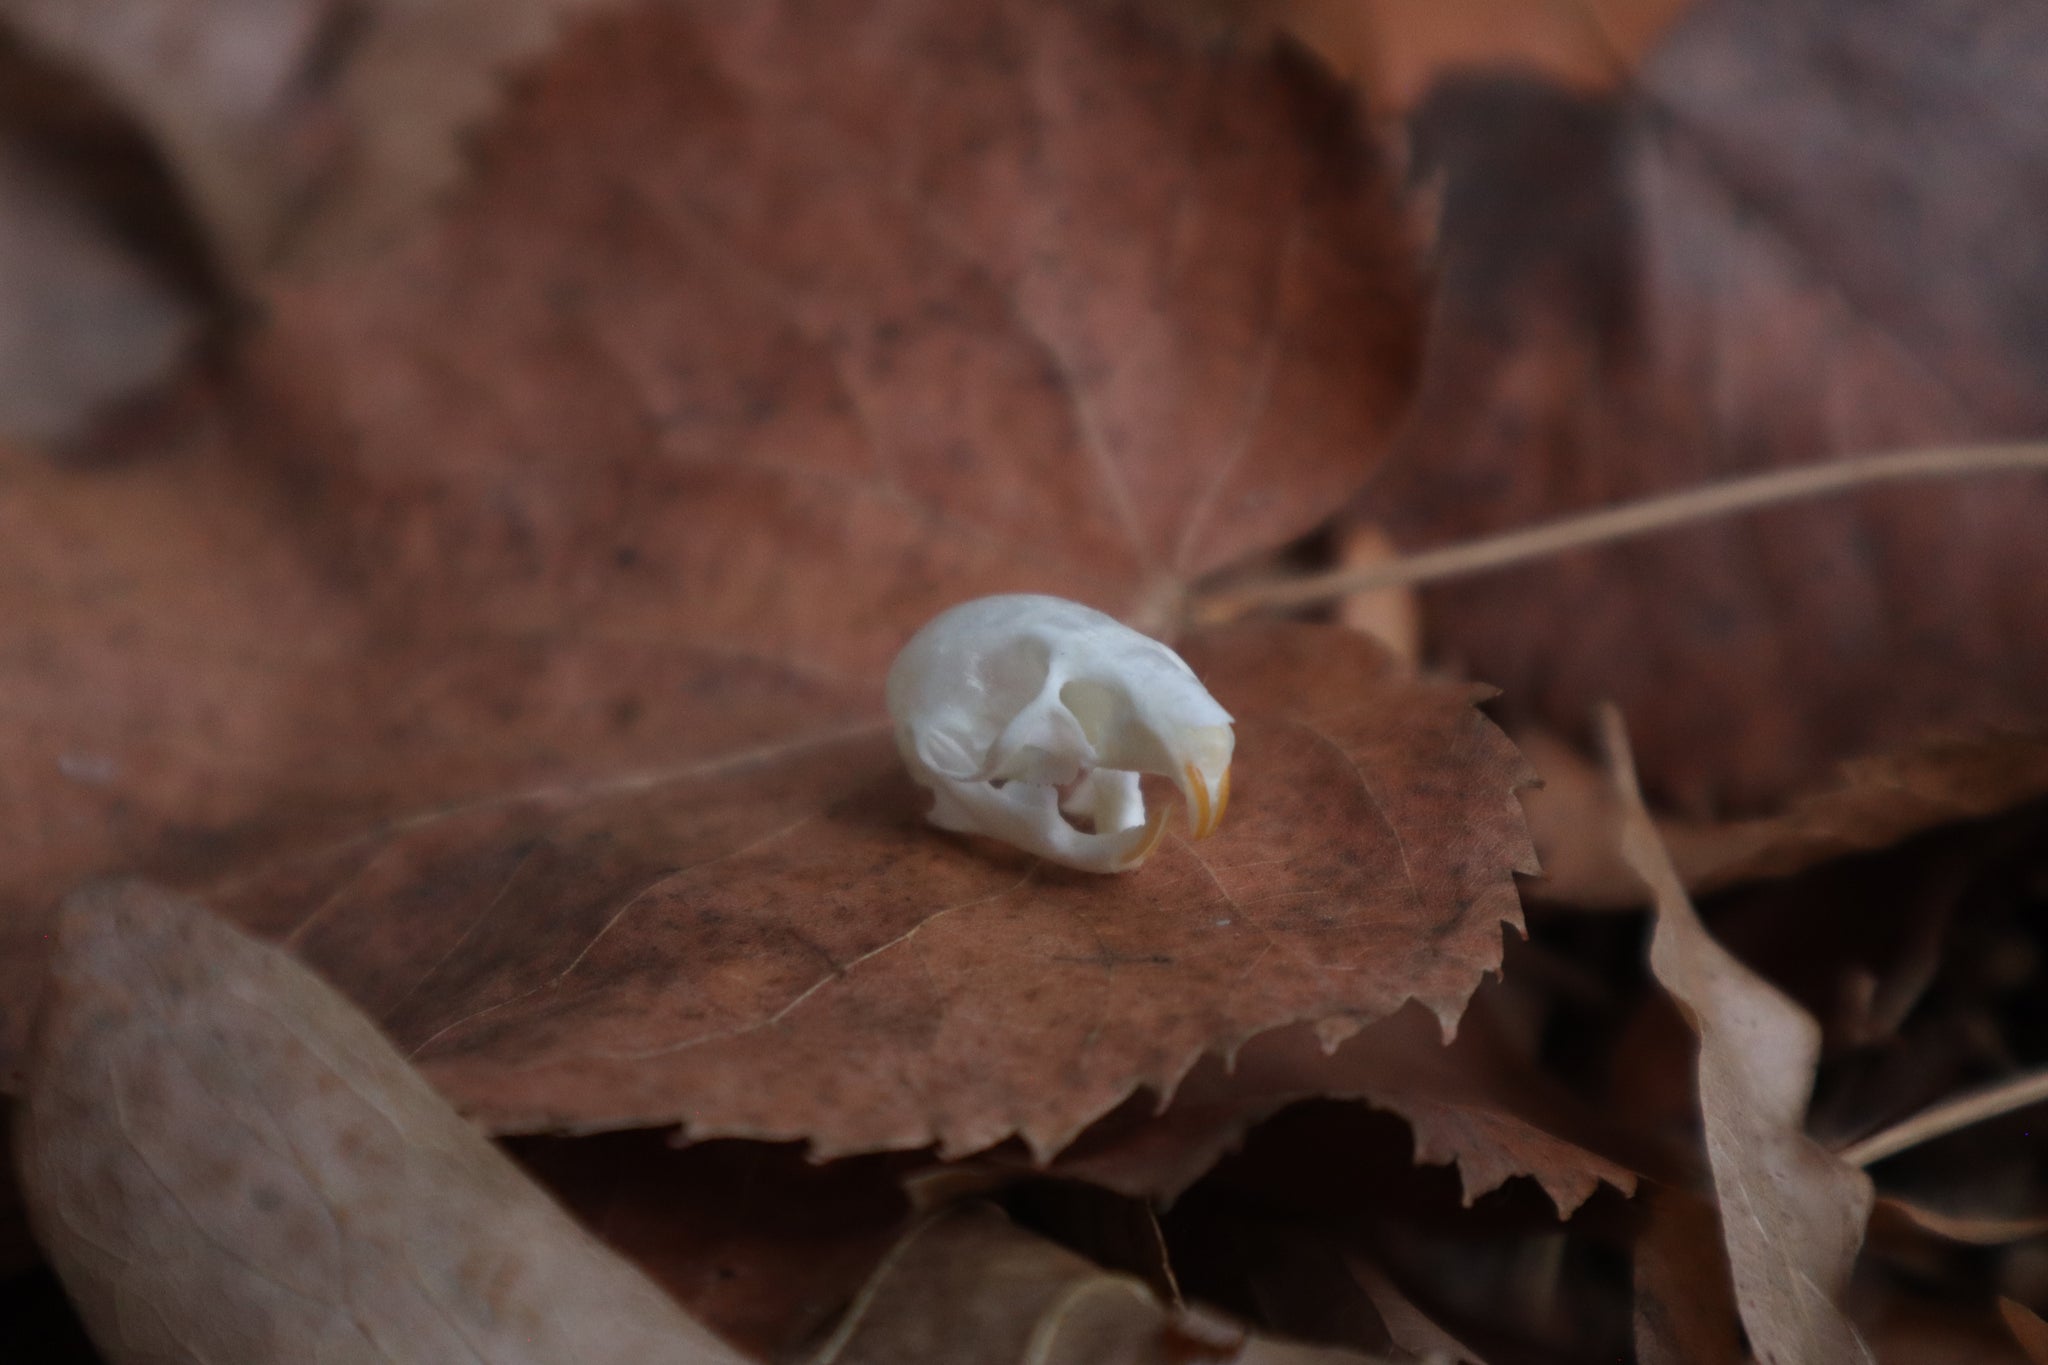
<point>1222,800</point>
<point>1152,832</point>
<point>1204,813</point>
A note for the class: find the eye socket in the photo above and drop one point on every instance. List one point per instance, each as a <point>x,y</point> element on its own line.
<point>1014,672</point>
<point>1099,708</point>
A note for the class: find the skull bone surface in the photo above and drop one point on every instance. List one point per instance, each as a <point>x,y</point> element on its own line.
<point>1020,711</point>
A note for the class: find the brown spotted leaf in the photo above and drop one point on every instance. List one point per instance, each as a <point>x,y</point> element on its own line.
<point>509,639</point>
<point>1791,242</point>
<point>226,1161</point>
<point>773,944</point>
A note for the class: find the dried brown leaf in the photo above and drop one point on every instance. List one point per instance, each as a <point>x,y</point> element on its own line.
<point>1471,1102</point>
<point>1391,615</point>
<point>305,131</point>
<point>1874,803</point>
<point>1971,1229</point>
<point>1412,1329</point>
<point>754,1241</point>
<point>84,322</point>
<point>18,1251</point>
<point>1399,51</point>
<point>1685,1311</point>
<point>1792,1214</point>
<point>1789,243</point>
<point>977,297</point>
<point>2027,1329</point>
<point>511,645</point>
<point>1906,1329</point>
<point>774,945</point>
<point>226,1161</point>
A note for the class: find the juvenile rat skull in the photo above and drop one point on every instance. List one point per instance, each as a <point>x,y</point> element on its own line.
<point>1014,709</point>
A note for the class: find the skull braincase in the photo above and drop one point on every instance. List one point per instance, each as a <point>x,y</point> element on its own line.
<point>1013,709</point>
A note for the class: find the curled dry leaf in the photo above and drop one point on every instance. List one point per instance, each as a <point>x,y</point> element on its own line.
<point>1391,615</point>
<point>1875,803</point>
<point>1470,1102</point>
<point>512,642</point>
<point>2027,1329</point>
<point>1398,52</point>
<point>226,1161</point>
<point>221,85</point>
<point>757,1243</point>
<point>1411,1329</point>
<point>17,1245</point>
<point>1685,1309</point>
<point>84,323</point>
<point>1651,294</point>
<point>304,131</point>
<point>1895,1213</point>
<point>968,1285</point>
<point>1792,1214</point>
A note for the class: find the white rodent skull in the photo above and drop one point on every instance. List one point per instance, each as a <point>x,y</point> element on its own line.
<point>1013,709</point>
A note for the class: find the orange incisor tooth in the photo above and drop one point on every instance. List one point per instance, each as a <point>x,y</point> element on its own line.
<point>1198,818</point>
<point>1222,800</point>
<point>1155,830</point>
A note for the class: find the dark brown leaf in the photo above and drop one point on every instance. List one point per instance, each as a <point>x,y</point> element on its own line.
<point>1471,1102</point>
<point>1791,243</point>
<point>1412,1329</point>
<point>1685,1311</point>
<point>1397,52</point>
<point>226,1161</point>
<point>2027,1329</point>
<point>757,1243</point>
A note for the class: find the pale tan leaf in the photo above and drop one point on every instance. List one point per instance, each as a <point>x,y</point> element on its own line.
<point>84,322</point>
<point>227,1162</point>
<point>966,1285</point>
<point>1792,1214</point>
<point>304,131</point>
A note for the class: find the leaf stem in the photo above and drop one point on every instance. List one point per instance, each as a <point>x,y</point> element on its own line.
<point>1623,522</point>
<point>1948,1117</point>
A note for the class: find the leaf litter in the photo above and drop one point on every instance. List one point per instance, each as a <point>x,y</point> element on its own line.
<point>498,627</point>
